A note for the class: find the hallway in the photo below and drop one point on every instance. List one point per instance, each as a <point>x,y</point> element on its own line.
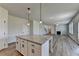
<point>65,46</point>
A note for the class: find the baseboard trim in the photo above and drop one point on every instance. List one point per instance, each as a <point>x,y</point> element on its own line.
<point>11,43</point>
<point>73,39</point>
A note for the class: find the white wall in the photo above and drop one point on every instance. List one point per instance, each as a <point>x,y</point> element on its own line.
<point>39,29</point>
<point>16,26</point>
<point>36,28</point>
<point>46,27</point>
<point>62,28</point>
<point>52,29</point>
<point>42,29</point>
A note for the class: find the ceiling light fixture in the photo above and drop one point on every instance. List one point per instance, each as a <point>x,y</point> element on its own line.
<point>28,24</point>
<point>28,16</point>
<point>40,21</point>
<point>29,11</point>
<point>40,14</point>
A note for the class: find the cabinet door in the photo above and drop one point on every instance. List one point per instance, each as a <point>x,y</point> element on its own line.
<point>5,32</point>
<point>24,47</point>
<point>5,43</point>
<point>37,52</point>
<point>1,44</point>
<point>30,49</point>
<point>34,49</point>
<point>18,43</point>
<point>3,28</point>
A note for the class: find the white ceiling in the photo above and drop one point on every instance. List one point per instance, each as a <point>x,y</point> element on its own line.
<point>52,13</point>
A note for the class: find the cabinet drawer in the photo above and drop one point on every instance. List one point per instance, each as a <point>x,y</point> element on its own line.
<point>37,52</point>
<point>34,49</point>
<point>33,52</point>
<point>34,45</point>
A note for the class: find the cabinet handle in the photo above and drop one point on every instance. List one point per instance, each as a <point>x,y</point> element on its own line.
<point>32,50</point>
<point>22,41</point>
<point>4,21</point>
<point>23,45</point>
<point>17,42</point>
<point>32,45</point>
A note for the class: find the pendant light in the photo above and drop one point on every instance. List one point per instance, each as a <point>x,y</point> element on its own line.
<point>28,16</point>
<point>40,14</point>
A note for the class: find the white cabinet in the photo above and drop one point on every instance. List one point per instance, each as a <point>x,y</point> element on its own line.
<point>1,44</point>
<point>24,47</point>
<point>18,43</point>
<point>34,49</point>
<point>3,28</point>
<point>29,48</point>
<point>21,46</point>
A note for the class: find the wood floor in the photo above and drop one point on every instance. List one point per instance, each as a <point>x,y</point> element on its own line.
<point>10,51</point>
<point>63,46</point>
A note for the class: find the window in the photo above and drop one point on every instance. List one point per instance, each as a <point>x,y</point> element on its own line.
<point>78,30</point>
<point>71,28</point>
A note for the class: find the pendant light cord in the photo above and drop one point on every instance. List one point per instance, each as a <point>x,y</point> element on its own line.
<point>40,11</point>
<point>28,13</point>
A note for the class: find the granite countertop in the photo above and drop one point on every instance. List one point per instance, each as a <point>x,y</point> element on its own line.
<point>39,39</point>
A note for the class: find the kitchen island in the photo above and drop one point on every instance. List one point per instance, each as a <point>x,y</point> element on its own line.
<point>35,45</point>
